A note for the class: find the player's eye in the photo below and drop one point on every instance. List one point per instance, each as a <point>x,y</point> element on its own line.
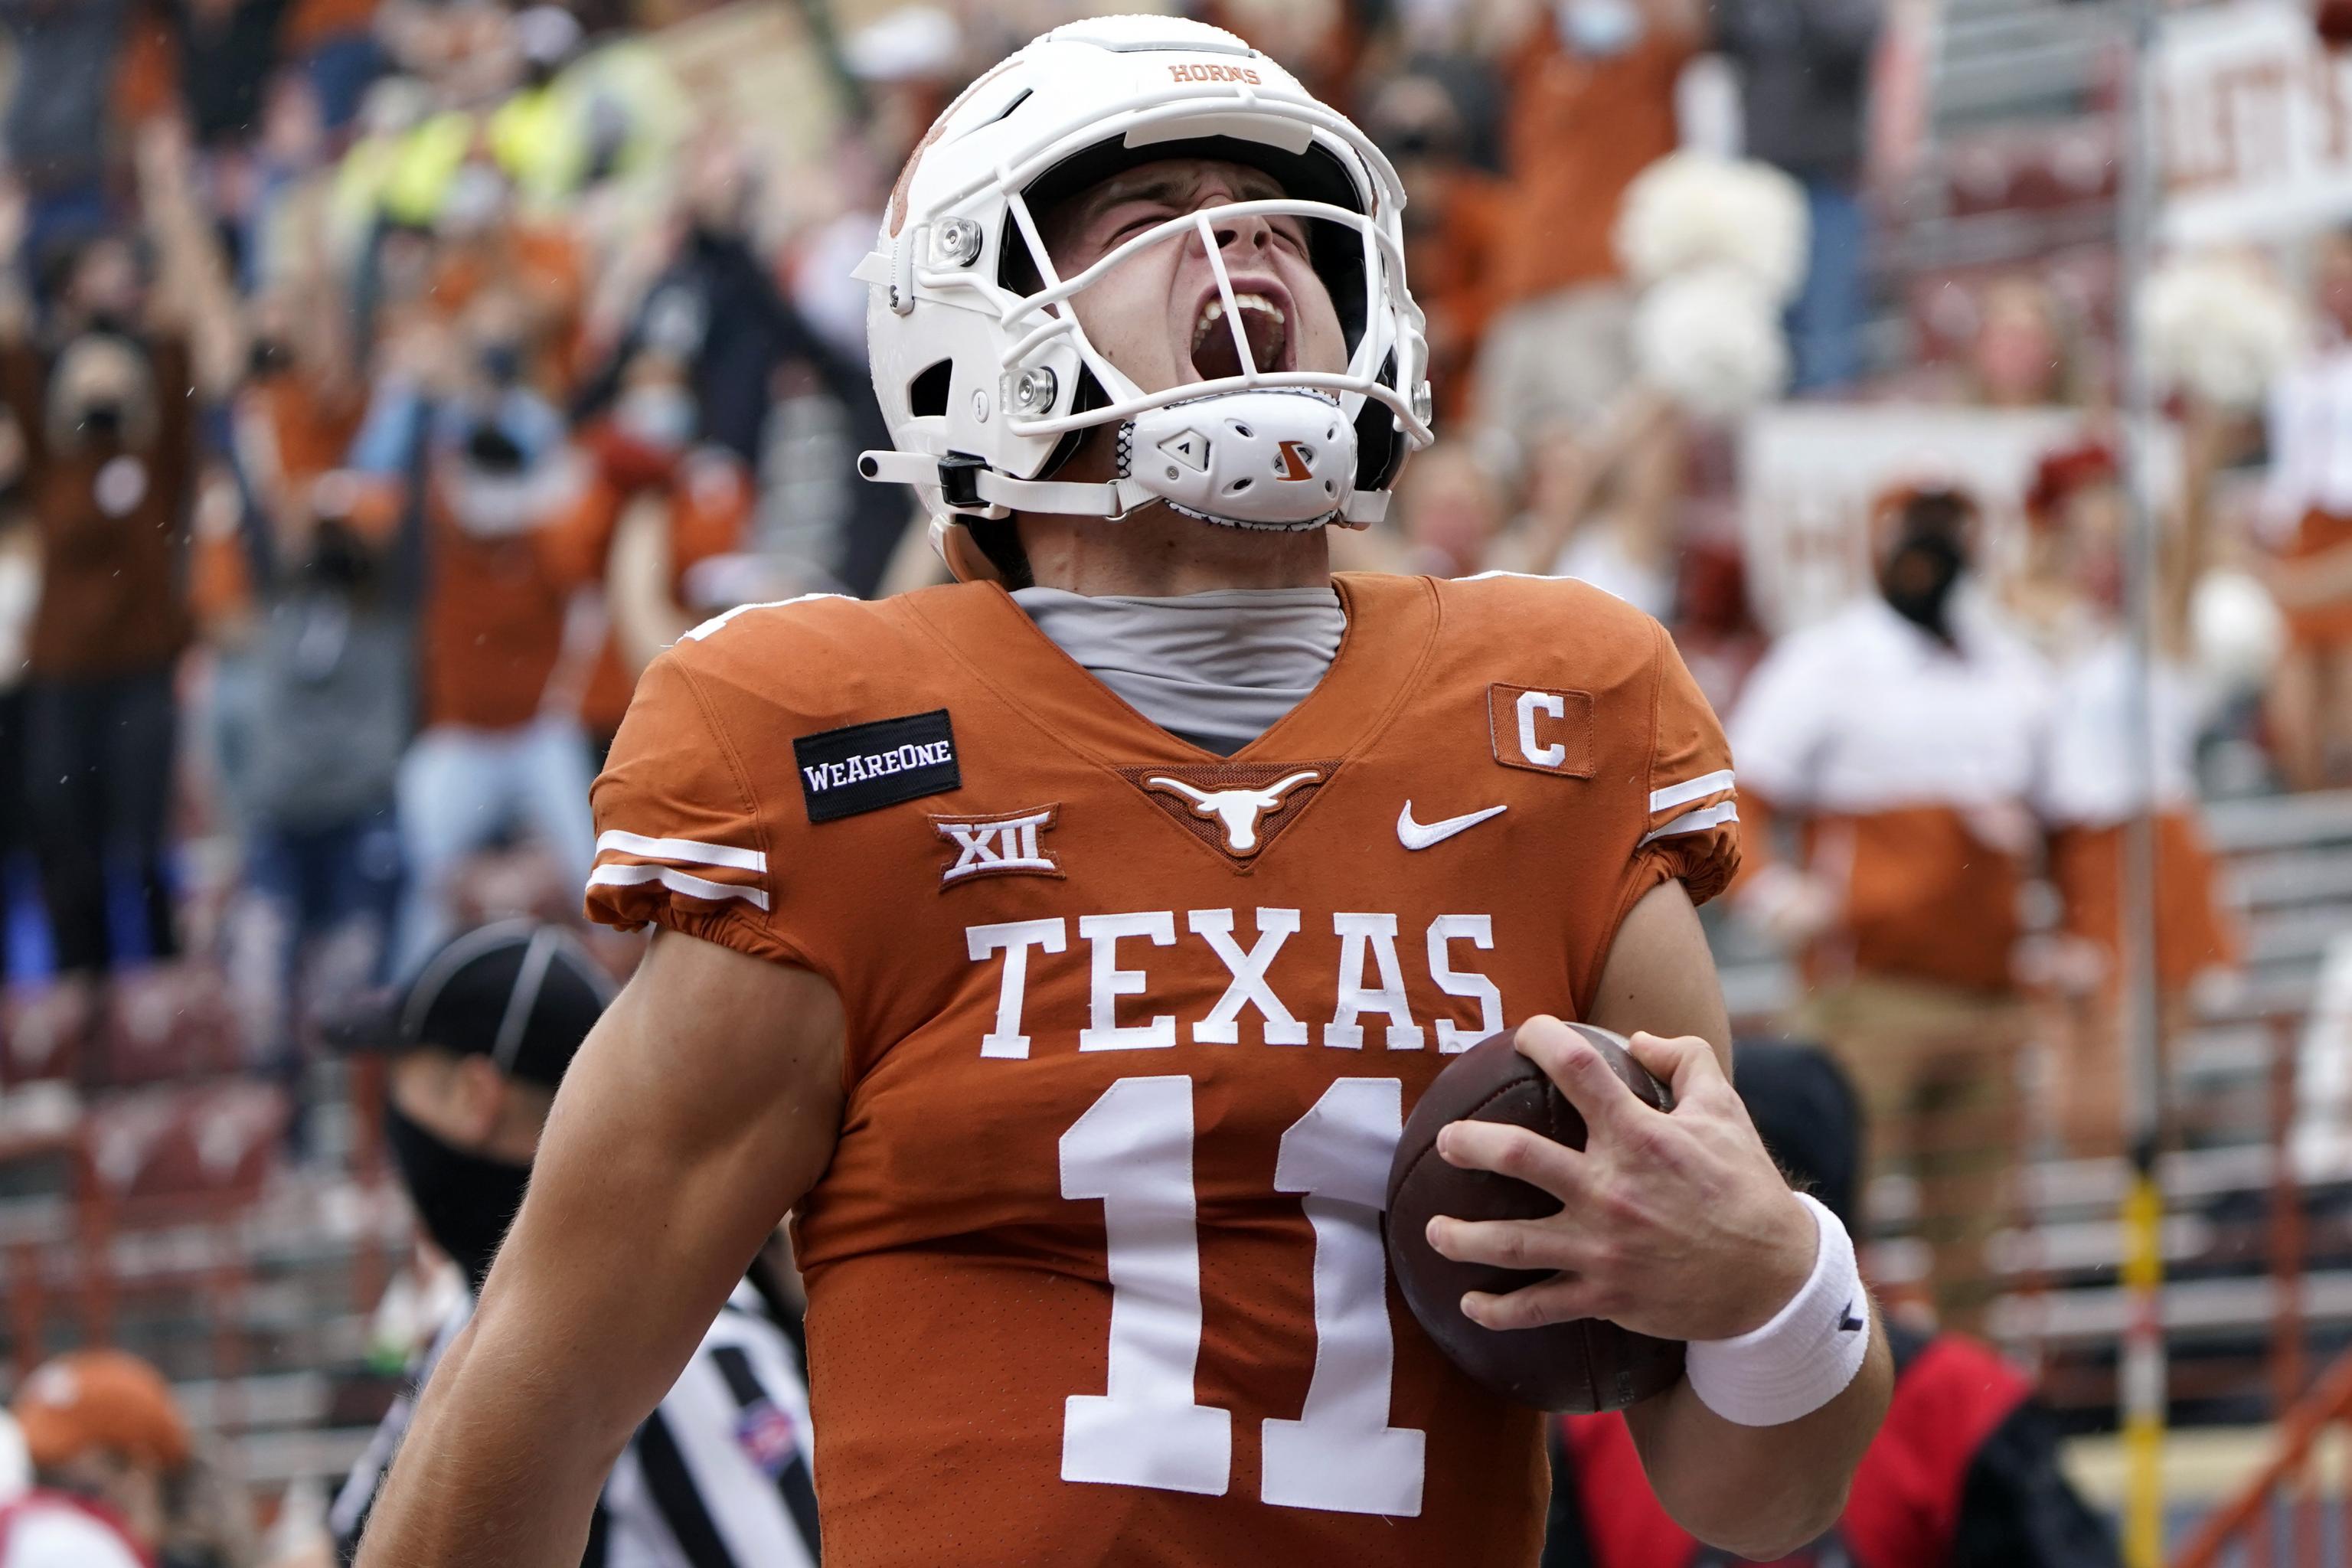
<point>1139,218</point>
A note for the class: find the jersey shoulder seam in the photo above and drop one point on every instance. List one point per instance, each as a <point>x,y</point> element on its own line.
<point>735,767</point>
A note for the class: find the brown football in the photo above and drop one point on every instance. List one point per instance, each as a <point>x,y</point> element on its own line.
<point>1586,1365</point>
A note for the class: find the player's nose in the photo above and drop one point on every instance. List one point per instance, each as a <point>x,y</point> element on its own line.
<point>1243,234</point>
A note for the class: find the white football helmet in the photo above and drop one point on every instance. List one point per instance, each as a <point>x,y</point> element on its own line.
<point>988,381</point>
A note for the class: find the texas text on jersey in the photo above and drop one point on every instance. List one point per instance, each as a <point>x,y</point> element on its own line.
<point>1095,1273</point>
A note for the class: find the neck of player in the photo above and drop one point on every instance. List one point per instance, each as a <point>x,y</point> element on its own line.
<point>1159,553</point>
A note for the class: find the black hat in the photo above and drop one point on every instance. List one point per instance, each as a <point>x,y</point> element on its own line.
<point>522,993</point>
<point>1805,1109</point>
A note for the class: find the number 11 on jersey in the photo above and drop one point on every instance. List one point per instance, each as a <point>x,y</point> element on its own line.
<point>1133,1150</point>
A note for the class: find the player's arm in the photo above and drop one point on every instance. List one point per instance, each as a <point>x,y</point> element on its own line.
<point>702,1107</point>
<point>1677,1225</point>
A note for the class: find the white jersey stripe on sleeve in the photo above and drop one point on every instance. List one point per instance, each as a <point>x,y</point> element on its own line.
<point>1697,821</point>
<point>691,850</point>
<point>1683,794</point>
<point>676,882</point>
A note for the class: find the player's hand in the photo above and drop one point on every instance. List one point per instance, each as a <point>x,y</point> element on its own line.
<point>1675,1224</point>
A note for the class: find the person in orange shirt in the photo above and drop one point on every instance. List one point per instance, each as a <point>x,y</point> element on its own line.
<point>503,654</point>
<point>658,505</point>
<point>1900,740</point>
<point>1591,105</point>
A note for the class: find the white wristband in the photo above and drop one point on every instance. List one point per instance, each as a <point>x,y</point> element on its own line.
<point>1805,1356</point>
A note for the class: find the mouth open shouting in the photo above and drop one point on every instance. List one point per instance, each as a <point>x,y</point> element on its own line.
<point>1261,307</point>
<point>1159,316</point>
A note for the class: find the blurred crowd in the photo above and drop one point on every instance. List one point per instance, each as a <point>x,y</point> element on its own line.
<point>383,383</point>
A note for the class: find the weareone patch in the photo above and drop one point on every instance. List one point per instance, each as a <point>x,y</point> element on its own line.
<point>864,767</point>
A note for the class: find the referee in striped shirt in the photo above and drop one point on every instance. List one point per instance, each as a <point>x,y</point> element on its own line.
<point>719,1476</point>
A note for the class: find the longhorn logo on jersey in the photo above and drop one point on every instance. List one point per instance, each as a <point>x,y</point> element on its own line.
<point>1238,807</point>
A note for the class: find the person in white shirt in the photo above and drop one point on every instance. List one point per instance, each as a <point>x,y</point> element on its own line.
<point>1899,743</point>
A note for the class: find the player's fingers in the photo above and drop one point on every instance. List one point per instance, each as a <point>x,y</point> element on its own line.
<point>1505,1243</point>
<point>1559,1299</point>
<point>1576,1064</point>
<point>1513,1151</point>
<point>1685,1063</point>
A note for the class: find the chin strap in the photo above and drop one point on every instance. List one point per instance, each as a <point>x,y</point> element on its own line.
<point>976,490</point>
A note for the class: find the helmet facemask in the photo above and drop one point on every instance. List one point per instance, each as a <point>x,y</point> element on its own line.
<point>986,364</point>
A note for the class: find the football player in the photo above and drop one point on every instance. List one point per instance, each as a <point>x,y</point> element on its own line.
<point>1066,963</point>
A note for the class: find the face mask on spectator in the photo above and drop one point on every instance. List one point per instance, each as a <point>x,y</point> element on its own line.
<point>496,490</point>
<point>100,396</point>
<point>1599,29</point>
<point>490,449</point>
<point>1918,580</point>
<point>339,561</point>
<point>662,418</point>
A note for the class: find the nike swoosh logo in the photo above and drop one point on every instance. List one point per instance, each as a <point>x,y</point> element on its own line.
<point>1849,1324</point>
<point>1414,835</point>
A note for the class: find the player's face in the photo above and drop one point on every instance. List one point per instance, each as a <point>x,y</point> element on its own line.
<point>1159,315</point>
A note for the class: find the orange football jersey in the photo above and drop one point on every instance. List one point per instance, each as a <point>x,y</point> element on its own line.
<point>1096,1272</point>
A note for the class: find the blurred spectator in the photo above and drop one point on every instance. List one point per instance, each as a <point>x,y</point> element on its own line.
<point>486,247</point>
<point>2024,353</point>
<point>538,136</point>
<point>457,431</point>
<point>2091,787</point>
<point>334,43</point>
<point>102,1426</point>
<point>58,126</point>
<point>20,589</point>
<point>1804,78</point>
<point>1591,105</point>
<point>107,422</point>
<point>1451,507</point>
<point>716,306</point>
<point>331,659</point>
<point>228,49</point>
<point>2307,519</point>
<point>44,1529</point>
<point>1964,1474</point>
<point>660,512</point>
<point>1602,498</point>
<point>1456,217</point>
<point>479,1037</point>
<point>712,303</point>
<point>1900,738</point>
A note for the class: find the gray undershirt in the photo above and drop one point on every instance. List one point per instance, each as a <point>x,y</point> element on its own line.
<point>1217,669</point>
